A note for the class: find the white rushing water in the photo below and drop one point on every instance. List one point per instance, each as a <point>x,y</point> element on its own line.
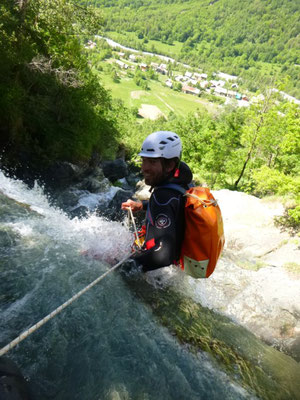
<point>84,233</point>
<point>107,344</point>
<point>266,301</point>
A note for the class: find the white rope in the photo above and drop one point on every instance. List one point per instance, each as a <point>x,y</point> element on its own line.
<point>29,331</point>
<point>134,227</point>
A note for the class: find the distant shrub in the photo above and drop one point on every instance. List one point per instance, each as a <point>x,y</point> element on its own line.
<point>294,214</point>
<point>270,181</point>
<point>215,99</point>
<point>290,220</point>
<point>177,86</point>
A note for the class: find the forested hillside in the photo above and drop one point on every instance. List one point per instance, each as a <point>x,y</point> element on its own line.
<point>51,106</point>
<point>253,39</point>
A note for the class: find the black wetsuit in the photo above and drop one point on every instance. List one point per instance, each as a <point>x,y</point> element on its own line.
<point>164,223</point>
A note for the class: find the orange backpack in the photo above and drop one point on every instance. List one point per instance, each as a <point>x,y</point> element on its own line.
<point>204,235</point>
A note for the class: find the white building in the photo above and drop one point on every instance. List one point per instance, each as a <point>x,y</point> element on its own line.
<point>90,45</point>
<point>204,84</point>
<point>227,77</point>
<point>197,76</point>
<point>121,64</point>
<point>220,90</point>
<point>169,83</point>
<point>217,83</point>
<point>179,78</point>
<point>193,81</point>
<point>132,57</point>
<point>154,65</point>
<point>190,90</point>
<point>143,67</point>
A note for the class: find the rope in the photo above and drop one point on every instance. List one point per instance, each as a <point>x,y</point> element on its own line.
<point>35,327</point>
<point>134,226</point>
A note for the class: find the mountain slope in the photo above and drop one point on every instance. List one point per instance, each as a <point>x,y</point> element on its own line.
<point>233,35</point>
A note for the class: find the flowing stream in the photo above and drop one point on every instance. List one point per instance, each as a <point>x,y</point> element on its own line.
<point>108,344</point>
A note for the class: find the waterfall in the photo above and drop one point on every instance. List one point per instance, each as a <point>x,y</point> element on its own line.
<point>110,343</point>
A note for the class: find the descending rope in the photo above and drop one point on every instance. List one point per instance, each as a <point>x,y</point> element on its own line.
<point>29,331</point>
<point>130,215</point>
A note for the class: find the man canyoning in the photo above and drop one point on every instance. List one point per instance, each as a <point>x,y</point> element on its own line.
<point>164,225</point>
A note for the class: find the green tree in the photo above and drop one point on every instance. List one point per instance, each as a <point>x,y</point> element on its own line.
<point>52,106</point>
<point>270,137</point>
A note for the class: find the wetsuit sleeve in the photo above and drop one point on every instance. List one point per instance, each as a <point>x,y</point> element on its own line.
<point>145,204</point>
<point>162,230</point>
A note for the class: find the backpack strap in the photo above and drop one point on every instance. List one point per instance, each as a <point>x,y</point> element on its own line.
<point>205,203</point>
<point>174,186</point>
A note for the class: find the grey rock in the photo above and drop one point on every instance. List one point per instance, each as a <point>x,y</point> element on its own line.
<point>113,209</point>
<point>143,191</point>
<point>94,185</point>
<point>114,170</point>
<point>67,198</point>
<point>63,174</point>
<point>132,179</point>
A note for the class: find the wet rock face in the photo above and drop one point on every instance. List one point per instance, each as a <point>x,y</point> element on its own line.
<point>80,191</point>
<point>94,184</point>
<point>93,181</point>
<point>62,174</point>
<point>114,170</point>
<point>251,235</point>
<point>113,209</point>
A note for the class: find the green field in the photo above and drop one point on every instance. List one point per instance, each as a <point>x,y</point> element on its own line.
<point>166,99</point>
<point>153,46</point>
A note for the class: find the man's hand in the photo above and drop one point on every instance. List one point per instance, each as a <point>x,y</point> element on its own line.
<point>134,205</point>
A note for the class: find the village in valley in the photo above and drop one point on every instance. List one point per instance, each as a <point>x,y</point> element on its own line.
<point>191,82</point>
<point>220,87</point>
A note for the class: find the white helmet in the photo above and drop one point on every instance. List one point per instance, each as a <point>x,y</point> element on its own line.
<point>163,144</point>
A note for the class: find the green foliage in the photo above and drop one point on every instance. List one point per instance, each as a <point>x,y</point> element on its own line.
<point>294,214</point>
<point>268,181</point>
<point>256,149</point>
<point>115,76</point>
<point>140,79</point>
<point>52,106</point>
<point>215,99</point>
<point>177,86</point>
<point>151,74</point>
<point>239,37</point>
<point>291,219</point>
<point>209,143</point>
<point>268,137</point>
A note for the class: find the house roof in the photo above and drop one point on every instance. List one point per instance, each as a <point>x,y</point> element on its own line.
<point>190,89</point>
